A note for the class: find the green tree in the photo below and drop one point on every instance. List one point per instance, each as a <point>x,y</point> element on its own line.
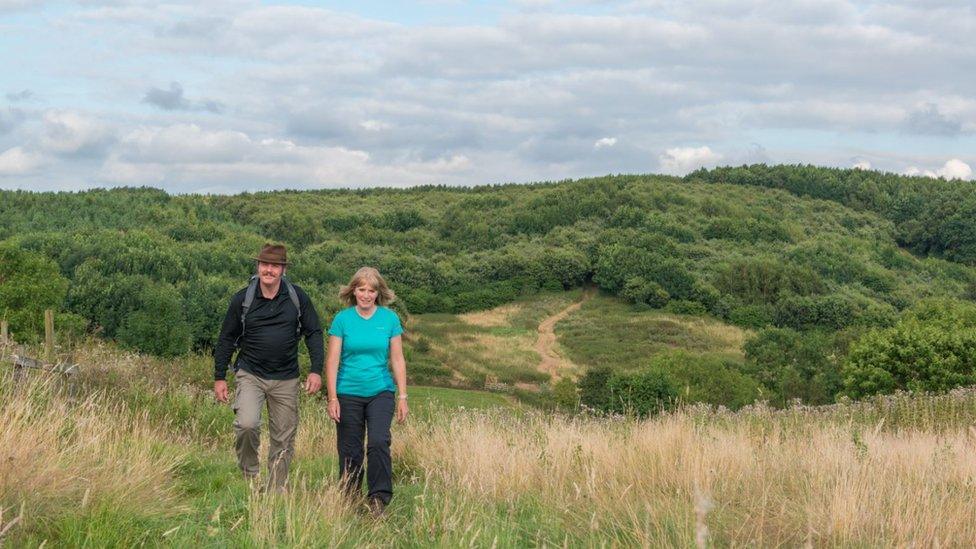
<point>156,325</point>
<point>795,365</point>
<point>643,393</point>
<point>932,348</point>
<point>639,290</point>
<point>29,284</point>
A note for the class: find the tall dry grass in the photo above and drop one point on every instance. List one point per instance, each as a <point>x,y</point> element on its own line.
<point>304,516</point>
<point>60,455</point>
<point>675,480</point>
<point>888,471</point>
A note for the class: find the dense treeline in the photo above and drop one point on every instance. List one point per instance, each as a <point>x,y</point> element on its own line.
<point>155,271</point>
<point>931,216</point>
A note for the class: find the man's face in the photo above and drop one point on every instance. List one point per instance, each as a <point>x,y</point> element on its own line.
<point>270,273</point>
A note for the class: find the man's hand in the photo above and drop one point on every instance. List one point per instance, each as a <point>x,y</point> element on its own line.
<point>220,390</point>
<point>313,383</point>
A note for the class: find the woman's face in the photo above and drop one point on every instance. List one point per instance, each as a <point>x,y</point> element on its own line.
<point>365,296</point>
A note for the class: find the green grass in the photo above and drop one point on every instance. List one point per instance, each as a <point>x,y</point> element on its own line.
<point>534,309</point>
<point>465,350</point>
<point>608,331</point>
<point>426,398</point>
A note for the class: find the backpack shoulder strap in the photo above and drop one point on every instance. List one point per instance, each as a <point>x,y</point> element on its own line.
<point>252,287</point>
<point>293,295</point>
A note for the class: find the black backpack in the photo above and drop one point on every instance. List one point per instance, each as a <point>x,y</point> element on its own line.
<point>252,288</point>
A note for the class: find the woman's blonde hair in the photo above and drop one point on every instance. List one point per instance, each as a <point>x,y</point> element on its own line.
<point>372,277</point>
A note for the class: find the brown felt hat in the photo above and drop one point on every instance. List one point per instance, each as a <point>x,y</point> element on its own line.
<point>273,253</point>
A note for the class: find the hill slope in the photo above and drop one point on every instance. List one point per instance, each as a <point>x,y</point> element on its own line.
<point>154,271</point>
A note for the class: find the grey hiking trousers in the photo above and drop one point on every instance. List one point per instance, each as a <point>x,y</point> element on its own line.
<point>250,396</point>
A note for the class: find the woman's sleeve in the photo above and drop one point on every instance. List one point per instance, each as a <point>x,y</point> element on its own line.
<point>336,328</point>
<point>397,327</point>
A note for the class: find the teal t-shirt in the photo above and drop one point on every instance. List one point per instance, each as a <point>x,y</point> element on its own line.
<point>363,370</point>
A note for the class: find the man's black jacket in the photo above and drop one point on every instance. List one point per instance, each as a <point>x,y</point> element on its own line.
<point>269,348</point>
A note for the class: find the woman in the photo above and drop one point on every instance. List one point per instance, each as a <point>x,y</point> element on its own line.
<point>363,338</point>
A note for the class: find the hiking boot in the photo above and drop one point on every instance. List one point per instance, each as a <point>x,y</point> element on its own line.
<point>376,507</point>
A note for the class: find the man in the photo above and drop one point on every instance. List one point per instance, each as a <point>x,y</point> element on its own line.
<point>265,323</point>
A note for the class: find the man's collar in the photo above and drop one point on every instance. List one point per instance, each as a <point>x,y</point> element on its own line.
<point>281,288</point>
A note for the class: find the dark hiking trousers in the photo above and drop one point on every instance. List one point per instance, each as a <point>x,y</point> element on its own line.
<point>369,418</point>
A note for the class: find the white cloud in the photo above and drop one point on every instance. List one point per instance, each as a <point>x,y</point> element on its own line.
<point>952,169</point>
<point>528,93</point>
<point>862,165</point>
<point>374,125</point>
<point>17,161</point>
<point>955,169</point>
<point>67,132</point>
<point>185,143</point>
<point>681,160</point>
<point>190,158</point>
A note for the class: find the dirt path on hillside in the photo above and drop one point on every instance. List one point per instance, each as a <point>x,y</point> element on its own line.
<point>551,363</point>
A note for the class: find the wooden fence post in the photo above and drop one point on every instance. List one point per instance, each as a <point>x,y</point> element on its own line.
<point>49,335</point>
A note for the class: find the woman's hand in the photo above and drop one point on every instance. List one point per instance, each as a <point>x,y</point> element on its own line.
<point>334,409</point>
<point>402,410</point>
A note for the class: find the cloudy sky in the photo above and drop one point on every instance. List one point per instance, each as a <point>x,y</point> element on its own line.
<point>227,95</point>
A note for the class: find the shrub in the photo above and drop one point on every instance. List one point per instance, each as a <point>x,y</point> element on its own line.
<point>707,378</point>
<point>593,388</point>
<point>69,326</point>
<point>746,230</point>
<point>617,263</point>
<point>752,316</point>
<point>764,279</point>
<point>566,394</point>
<point>485,297</point>
<point>831,259</point>
<point>640,290</point>
<point>627,216</point>
<point>834,311</point>
<point>642,393</point>
<point>29,284</point>
<point>157,325</point>
<point>932,348</point>
<point>425,370</point>
<point>792,365</point>
<point>204,303</point>
<point>709,297</point>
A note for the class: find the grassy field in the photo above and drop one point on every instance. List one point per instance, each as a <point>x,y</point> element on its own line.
<point>436,399</point>
<point>497,348</point>
<point>702,356</point>
<point>609,331</point>
<point>465,350</point>
<point>142,455</point>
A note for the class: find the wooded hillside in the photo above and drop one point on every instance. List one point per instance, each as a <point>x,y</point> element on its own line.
<point>792,248</point>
